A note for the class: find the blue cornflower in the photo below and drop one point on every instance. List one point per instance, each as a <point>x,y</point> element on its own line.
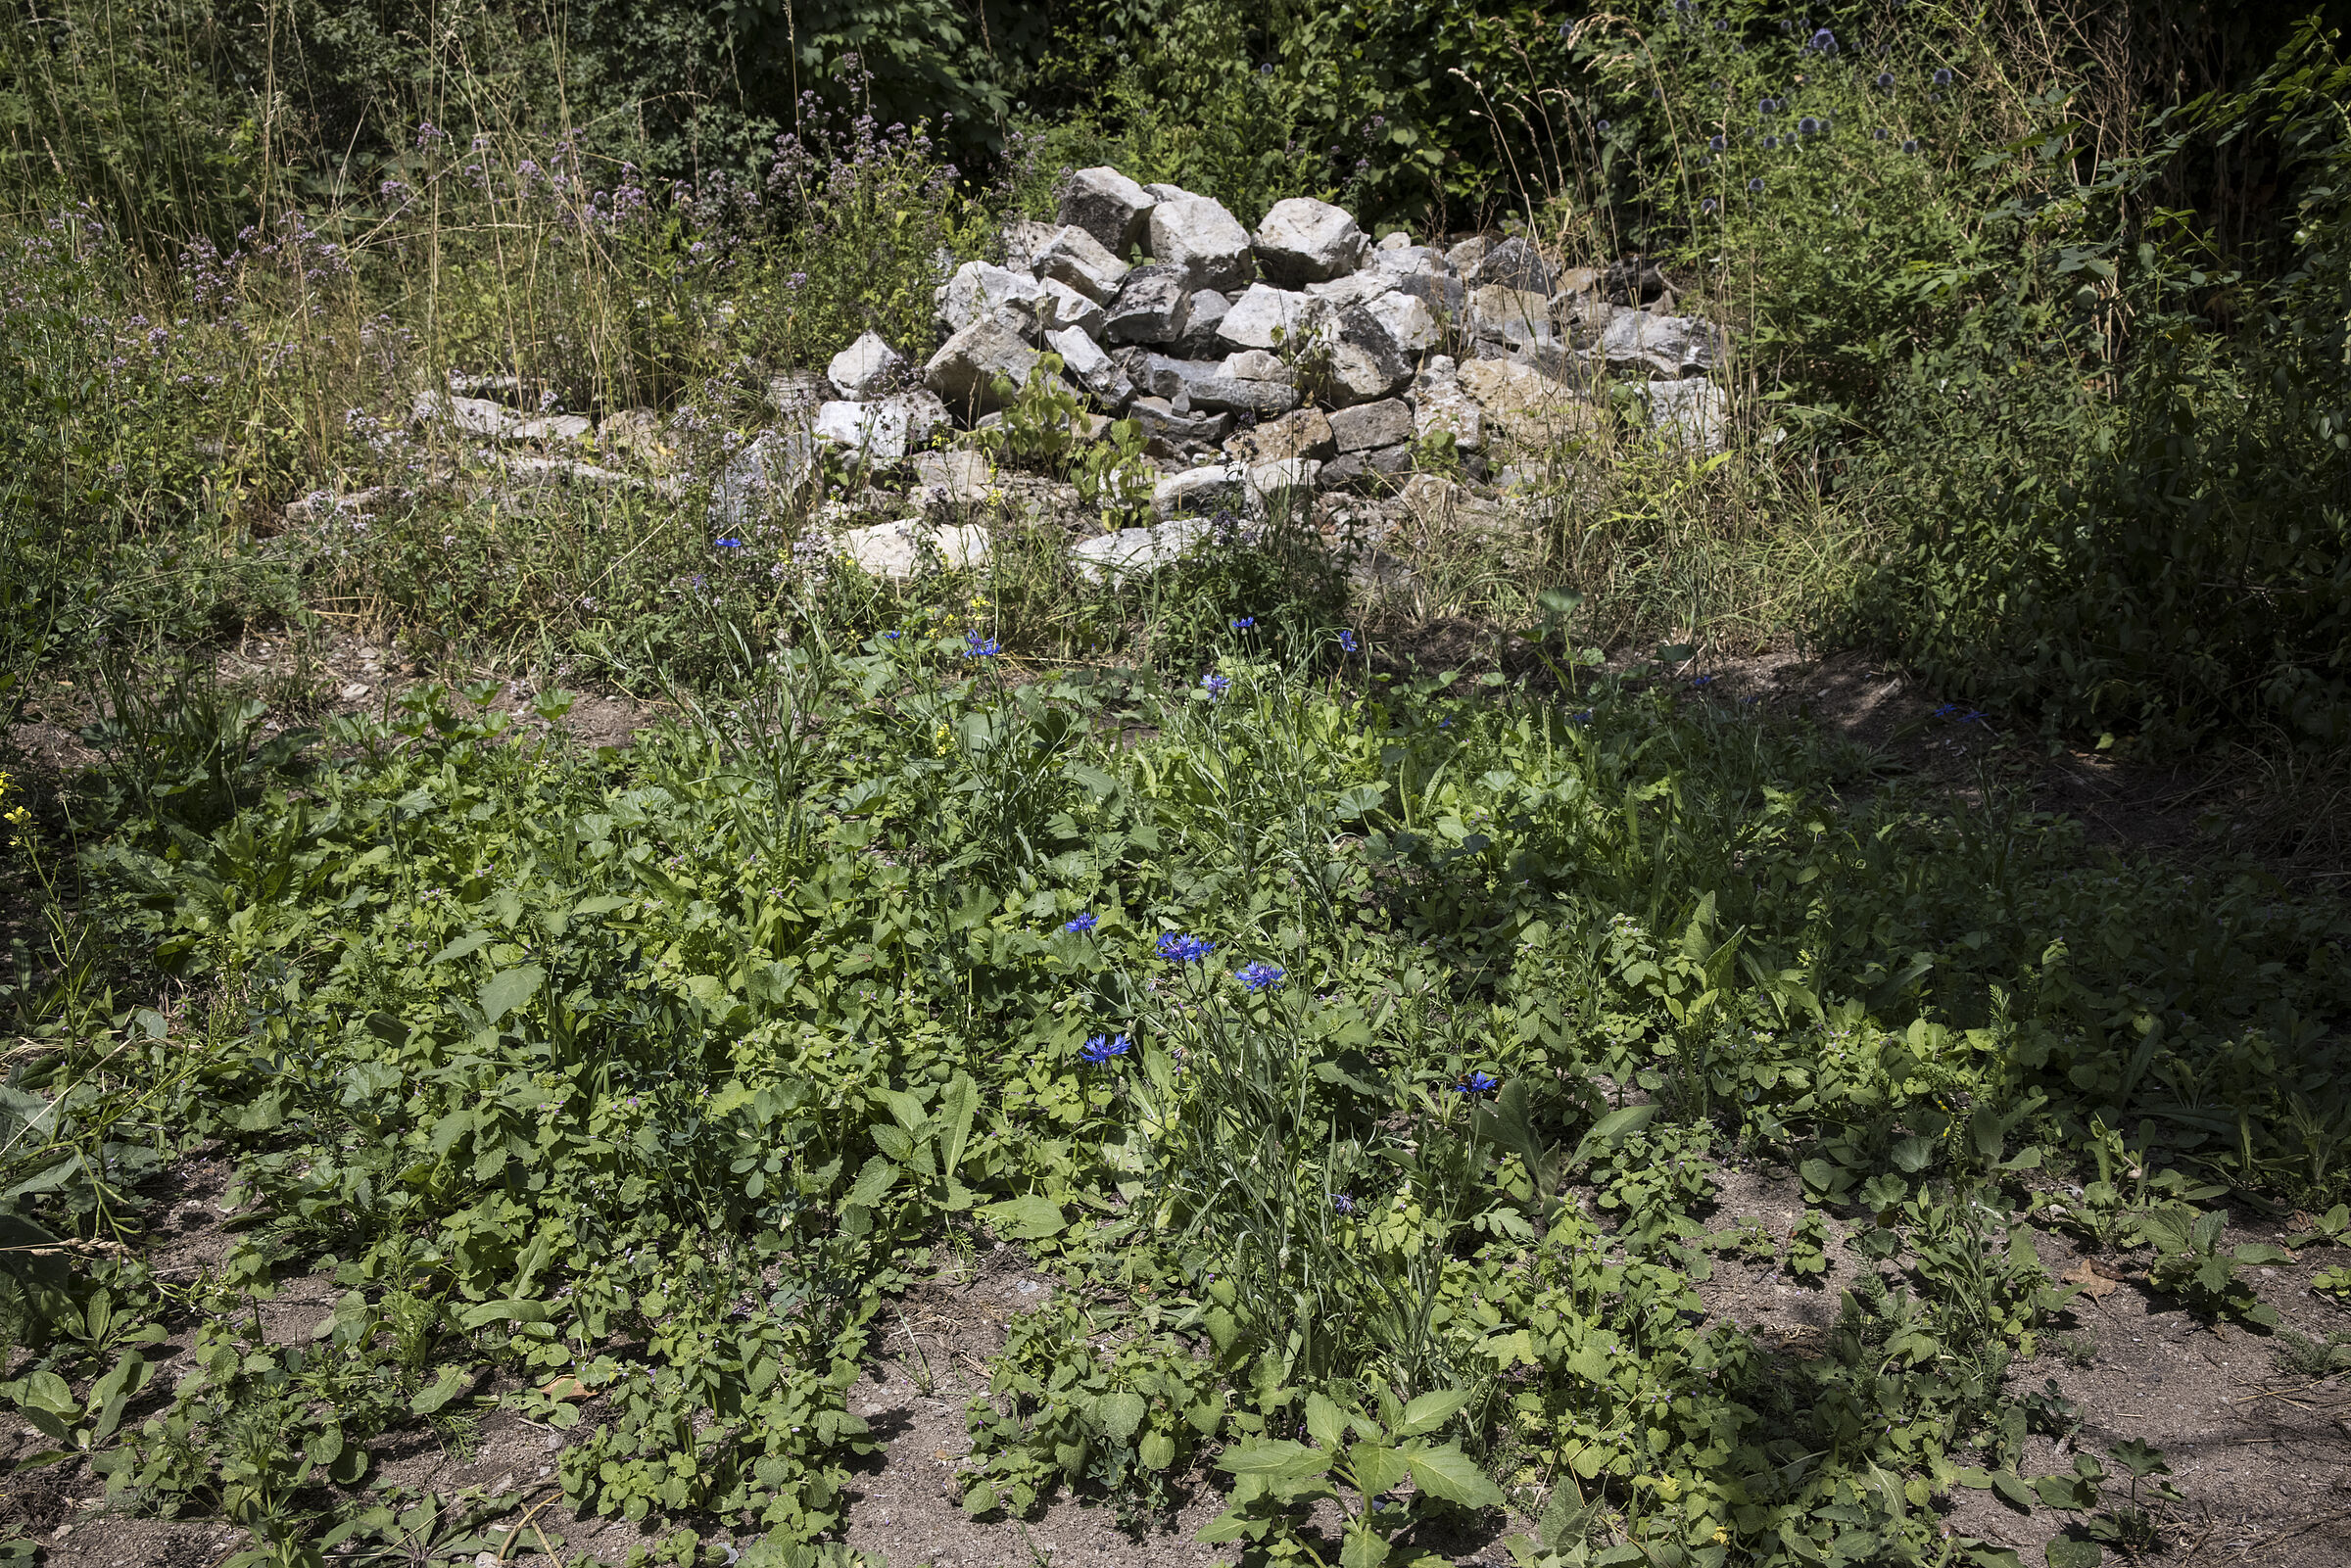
<point>1943,77</point>
<point>1823,42</point>
<point>1347,642</point>
<point>891,637</point>
<point>1946,711</point>
<point>1584,717</point>
<point>1697,681</point>
<point>1101,1048</point>
<point>730,544</point>
<point>1216,685</point>
<point>1342,1204</point>
<point>1178,948</point>
<point>1755,188</point>
<point>1477,1084</point>
<point>1079,926</point>
<point>1259,977</point>
<point>1243,623</point>
<point>976,647</point>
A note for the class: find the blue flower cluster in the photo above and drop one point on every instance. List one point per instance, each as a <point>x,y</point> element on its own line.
<point>1178,948</point>
<point>1243,623</point>
<point>1079,925</point>
<point>1348,644</point>
<point>1259,977</point>
<point>1216,685</point>
<point>1476,1083</point>
<point>976,647</point>
<point>1101,1048</point>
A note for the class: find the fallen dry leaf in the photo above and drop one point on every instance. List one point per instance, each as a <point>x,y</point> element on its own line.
<point>2092,1280</point>
<point>565,1386</point>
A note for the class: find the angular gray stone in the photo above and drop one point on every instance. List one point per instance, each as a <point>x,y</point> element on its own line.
<point>1268,317</point>
<point>1443,293</point>
<point>954,481</point>
<point>885,430</point>
<point>471,416</point>
<point>553,427</point>
<point>1406,320</point>
<point>1385,423</point>
<point>1512,264</point>
<point>1390,461</point>
<point>901,550</point>
<point>1402,259</point>
<point>1503,315</point>
<point>1441,407</point>
<point>1162,421</point>
<point>865,368</point>
<point>1666,344</point>
<point>1065,307</point>
<point>964,370</point>
<point>1356,374</point>
<point>1256,365</point>
<point>1092,368</point>
<point>1304,241</point>
<point>1305,433</point>
<point>979,289</point>
<point>1691,413</point>
<point>1396,240</point>
<point>1023,240</point>
<point>758,483</point>
<point>1159,375</point>
<point>795,394</point>
<point>1150,306</point>
<point>1075,258</point>
<point>1171,193</point>
<point>1212,488</point>
<point>1204,313</point>
<point>1353,289</point>
<point>1209,244</point>
<point>1229,395</point>
<point>1108,205</point>
<point>1137,551</point>
<point>1283,488</point>
<point>1467,255</point>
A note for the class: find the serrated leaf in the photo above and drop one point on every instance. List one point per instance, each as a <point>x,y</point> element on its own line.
<point>1432,1410</point>
<point>1030,1218</point>
<point>510,989</point>
<point>1121,1413</point>
<point>1914,1155</point>
<point>1325,1422</point>
<point>1452,1476</point>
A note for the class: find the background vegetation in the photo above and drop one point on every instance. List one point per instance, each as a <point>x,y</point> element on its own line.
<point>2040,369</point>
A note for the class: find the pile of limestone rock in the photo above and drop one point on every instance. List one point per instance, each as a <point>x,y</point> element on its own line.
<point>1261,367</point>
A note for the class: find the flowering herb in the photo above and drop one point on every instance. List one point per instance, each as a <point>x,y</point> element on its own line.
<point>1823,42</point>
<point>1178,948</point>
<point>1347,642</point>
<point>976,647</point>
<point>1260,978</point>
<point>1476,1083</point>
<point>1216,685</point>
<point>1601,126</point>
<point>1243,623</point>
<point>1942,76</point>
<point>1079,925</point>
<point>1717,143</point>
<point>1342,1204</point>
<point>1885,79</point>
<point>1101,1048</point>
<point>1808,126</point>
<point>1911,145</point>
<point>1754,187</point>
<point>730,544</point>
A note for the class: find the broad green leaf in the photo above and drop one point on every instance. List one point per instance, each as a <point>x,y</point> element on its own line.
<point>2012,1489</point>
<point>463,945</point>
<point>451,1383</point>
<point>877,1178</point>
<point>1449,1474</point>
<point>2067,1552</point>
<point>1121,1413</point>
<point>1377,1468</point>
<point>1030,1218</point>
<point>1157,1451</point>
<point>1275,1458</point>
<point>1363,1546</point>
<point>1914,1155</point>
<point>508,1312</point>
<point>510,989</point>
<point>1325,1422</point>
<point>1432,1410</point>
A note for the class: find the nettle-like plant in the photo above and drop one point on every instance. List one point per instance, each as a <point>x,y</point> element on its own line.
<point>1361,1460</point>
